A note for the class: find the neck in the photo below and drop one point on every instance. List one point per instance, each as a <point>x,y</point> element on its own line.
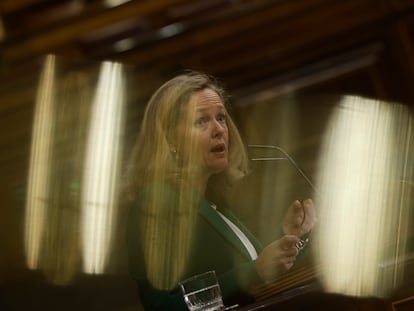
<point>201,184</point>
<point>198,180</point>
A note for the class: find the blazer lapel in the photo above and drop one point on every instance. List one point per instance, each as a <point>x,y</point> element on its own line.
<point>256,243</point>
<point>209,214</point>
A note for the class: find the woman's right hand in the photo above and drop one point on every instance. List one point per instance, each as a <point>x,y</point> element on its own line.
<point>277,258</point>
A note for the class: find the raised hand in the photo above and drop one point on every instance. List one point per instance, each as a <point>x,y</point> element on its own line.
<point>276,258</point>
<point>300,218</point>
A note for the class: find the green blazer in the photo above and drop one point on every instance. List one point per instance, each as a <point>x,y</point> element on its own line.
<point>214,246</point>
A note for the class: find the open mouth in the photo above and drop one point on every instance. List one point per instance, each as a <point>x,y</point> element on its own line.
<point>218,148</point>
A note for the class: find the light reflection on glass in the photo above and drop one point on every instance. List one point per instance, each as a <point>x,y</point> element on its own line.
<point>38,188</point>
<point>71,184</point>
<point>3,33</point>
<point>99,188</point>
<point>365,159</point>
<point>268,122</point>
<point>285,123</point>
<point>114,3</point>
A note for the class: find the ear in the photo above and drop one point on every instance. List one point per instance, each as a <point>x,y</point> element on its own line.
<point>174,152</point>
<point>172,139</point>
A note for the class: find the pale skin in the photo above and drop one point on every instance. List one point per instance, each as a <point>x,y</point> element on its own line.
<point>204,124</point>
<point>280,255</point>
<point>204,132</point>
<point>300,218</point>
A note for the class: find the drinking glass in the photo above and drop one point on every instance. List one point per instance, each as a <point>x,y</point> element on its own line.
<point>202,292</point>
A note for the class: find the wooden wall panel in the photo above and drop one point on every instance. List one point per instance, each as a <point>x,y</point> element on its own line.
<point>303,53</point>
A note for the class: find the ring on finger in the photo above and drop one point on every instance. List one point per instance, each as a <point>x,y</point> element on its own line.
<point>301,244</point>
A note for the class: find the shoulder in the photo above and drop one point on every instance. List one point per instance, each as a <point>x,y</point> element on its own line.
<point>159,198</point>
<point>155,194</point>
<point>157,189</point>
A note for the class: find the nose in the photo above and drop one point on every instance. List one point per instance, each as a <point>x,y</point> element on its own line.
<point>218,129</point>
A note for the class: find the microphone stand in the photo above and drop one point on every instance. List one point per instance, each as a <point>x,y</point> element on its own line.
<point>301,244</point>
<point>287,157</point>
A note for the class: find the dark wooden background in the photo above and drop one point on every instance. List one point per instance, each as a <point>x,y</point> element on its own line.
<point>266,52</point>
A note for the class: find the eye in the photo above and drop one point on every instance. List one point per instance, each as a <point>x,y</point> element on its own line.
<point>200,122</point>
<point>222,118</point>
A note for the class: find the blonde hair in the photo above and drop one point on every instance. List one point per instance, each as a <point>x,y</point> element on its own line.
<point>152,158</point>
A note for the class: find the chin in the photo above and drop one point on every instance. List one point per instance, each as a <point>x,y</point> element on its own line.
<point>219,168</point>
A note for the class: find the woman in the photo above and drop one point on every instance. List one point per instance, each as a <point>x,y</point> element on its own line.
<point>186,159</point>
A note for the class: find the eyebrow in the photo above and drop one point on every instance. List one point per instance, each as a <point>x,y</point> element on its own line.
<point>221,107</point>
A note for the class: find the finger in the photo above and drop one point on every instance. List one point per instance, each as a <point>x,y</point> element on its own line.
<point>309,207</point>
<point>289,245</point>
<point>297,207</point>
<point>292,252</point>
<point>308,201</point>
<point>287,260</point>
<point>310,212</point>
<point>289,239</point>
<point>298,214</point>
<point>302,217</point>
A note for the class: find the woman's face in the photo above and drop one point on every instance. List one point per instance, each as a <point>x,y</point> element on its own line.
<point>203,133</point>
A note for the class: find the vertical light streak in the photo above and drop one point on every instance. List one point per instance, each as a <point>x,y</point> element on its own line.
<point>402,196</point>
<point>2,31</point>
<point>268,188</point>
<point>359,204</point>
<point>39,171</point>
<point>283,126</point>
<point>102,161</point>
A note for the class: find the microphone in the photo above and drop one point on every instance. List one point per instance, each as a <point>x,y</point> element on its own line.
<point>287,157</point>
<point>301,244</point>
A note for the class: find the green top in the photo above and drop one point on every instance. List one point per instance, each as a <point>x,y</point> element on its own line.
<point>212,245</point>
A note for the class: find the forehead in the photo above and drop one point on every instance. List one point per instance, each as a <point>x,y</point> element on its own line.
<point>204,100</point>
